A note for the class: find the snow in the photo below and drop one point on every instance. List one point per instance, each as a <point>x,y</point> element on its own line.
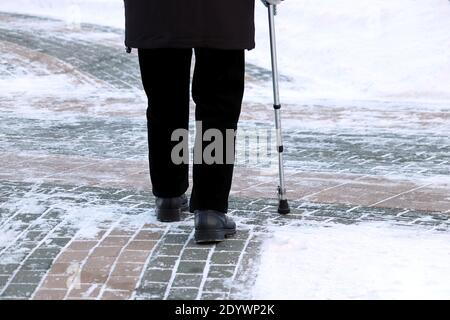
<point>86,219</point>
<point>364,261</point>
<point>367,50</point>
<point>332,49</point>
<point>103,12</point>
<point>39,85</point>
<point>37,92</point>
<point>7,235</point>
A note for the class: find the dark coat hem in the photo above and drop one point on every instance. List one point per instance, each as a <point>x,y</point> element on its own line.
<point>158,44</point>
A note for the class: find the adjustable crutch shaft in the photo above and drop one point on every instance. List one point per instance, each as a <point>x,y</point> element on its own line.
<point>283,207</point>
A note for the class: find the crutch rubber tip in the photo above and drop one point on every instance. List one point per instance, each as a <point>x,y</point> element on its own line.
<point>283,207</point>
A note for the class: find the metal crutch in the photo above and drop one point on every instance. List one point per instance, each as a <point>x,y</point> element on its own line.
<point>283,207</point>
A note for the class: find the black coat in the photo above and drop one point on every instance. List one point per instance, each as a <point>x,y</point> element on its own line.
<point>222,24</point>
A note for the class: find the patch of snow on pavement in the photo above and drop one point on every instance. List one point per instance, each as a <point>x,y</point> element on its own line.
<point>365,261</point>
<point>86,219</point>
<point>373,49</point>
<point>103,12</point>
<point>39,91</point>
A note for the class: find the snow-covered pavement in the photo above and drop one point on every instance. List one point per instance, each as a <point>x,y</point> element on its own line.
<point>362,261</point>
<point>369,183</point>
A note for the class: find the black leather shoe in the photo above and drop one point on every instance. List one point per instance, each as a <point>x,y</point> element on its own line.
<point>169,209</point>
<point>212,226</point>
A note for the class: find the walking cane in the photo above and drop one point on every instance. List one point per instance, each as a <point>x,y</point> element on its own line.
<point>283,207</point>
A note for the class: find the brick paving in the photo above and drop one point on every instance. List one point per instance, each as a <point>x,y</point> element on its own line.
<point>76,213</point>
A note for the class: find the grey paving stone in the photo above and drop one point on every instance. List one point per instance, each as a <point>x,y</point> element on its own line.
<point>191,267</point>
<point>45,253</point>
<point>229,258</point>
<point>187,280</point>
<point>8,269</point>
<point>214,296</point>
<point>221,271</point>
<point>37,264</point>
<point>195,254</point>
<point>3,281</point>
<point>175,238</point>
<point>241,235</point>
<point>19,290</point>
<point>34,236</point>
<point>230,245</point>
<point>182,294</point>
<point>182,228</point>
<point>151,290</point>
<point>157,275</point>
<point>44,227</point>
<point>26,217</point>
<point>62,232</point>
<point>191,244</point>
<point>163,262</point>
<point>14,254</point>
<point>57,242</point>
<point>171,250</point>
<point>25,246</point>
<point>217,285</point>
<point>344,221</point>
<point>26,276</point>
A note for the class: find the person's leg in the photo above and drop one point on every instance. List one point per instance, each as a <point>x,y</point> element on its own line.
<point>218,88</point>
<point>166,79</point>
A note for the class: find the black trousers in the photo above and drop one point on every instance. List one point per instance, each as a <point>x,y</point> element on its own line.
<point>217,90</point>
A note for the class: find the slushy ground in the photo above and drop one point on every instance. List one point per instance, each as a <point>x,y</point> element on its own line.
<point>368,183</point>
